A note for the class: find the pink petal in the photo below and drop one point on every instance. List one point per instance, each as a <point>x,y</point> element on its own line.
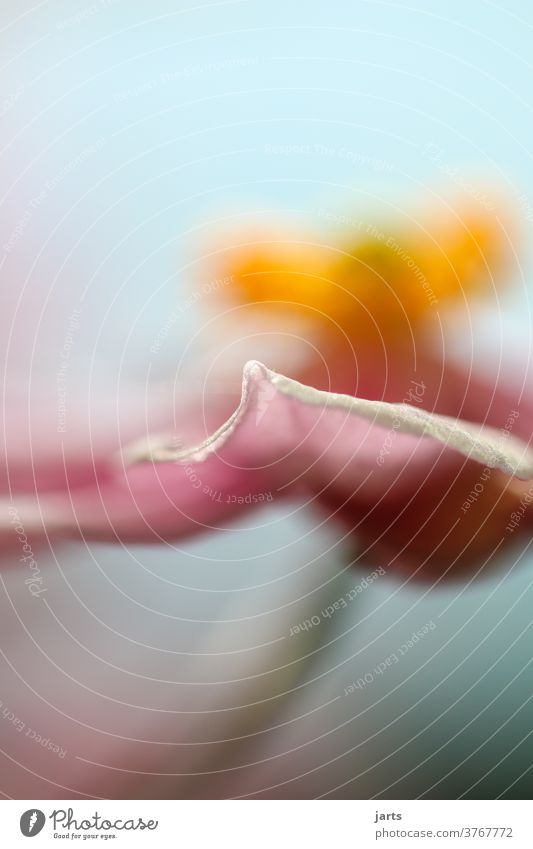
<point>284,437</point>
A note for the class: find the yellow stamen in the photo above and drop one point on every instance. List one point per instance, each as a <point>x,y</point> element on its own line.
<point>380,287</point>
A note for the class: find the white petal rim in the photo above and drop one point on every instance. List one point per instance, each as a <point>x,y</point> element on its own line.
<point>488,446</point>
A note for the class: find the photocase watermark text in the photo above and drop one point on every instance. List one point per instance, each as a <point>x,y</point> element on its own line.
<point>35,581</point>
<point>45,742</point>
<point>342,602</point>
<point>390,661</point>
<point>206,289</point>
<point>414,395</point>
<point>64,364</point>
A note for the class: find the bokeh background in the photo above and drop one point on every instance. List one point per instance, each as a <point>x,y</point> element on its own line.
<point>131,133</point>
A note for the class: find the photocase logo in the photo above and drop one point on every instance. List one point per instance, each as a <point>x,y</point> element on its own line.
<point>32,822</point>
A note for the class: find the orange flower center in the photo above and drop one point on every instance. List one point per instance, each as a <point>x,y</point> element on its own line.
<point>379,287</point>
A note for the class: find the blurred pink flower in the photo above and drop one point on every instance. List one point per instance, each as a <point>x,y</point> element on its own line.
<point>397,473</point>
<point>428,477</point>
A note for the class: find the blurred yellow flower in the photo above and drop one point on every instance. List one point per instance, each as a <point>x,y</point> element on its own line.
<point>380,287</point>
